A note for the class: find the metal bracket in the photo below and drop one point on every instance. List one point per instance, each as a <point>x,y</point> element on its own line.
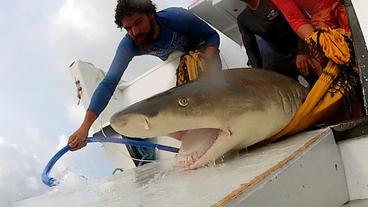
<point>360,49</point>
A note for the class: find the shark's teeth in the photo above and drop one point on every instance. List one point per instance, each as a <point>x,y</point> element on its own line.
<point>190,158</point>
<point>192,149</point>
<point>186,160</point>
<point>195,156</point>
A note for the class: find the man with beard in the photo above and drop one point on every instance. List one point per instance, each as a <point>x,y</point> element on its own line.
<point>277,47</point>
<point>153,33</point>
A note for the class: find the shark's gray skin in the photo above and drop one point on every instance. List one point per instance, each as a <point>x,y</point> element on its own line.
<point>224,111</point>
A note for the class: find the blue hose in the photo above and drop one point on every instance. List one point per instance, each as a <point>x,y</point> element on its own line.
<point>49,181</point>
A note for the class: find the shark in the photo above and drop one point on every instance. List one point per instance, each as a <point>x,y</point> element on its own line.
<point>216,114</point>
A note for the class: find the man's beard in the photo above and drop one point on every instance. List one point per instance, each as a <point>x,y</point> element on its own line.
<point>145,40</point>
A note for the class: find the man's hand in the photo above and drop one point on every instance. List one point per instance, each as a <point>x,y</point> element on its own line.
<point>308,65</point>
<point>78,139</point>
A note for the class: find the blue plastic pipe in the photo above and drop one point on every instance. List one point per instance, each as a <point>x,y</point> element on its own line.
<point>49,181</point>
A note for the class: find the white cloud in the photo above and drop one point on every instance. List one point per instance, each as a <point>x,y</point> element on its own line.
<point>22,162</point>
<point>36,142</point>
<point>32,183</point>
<point>83,16</point>
<point>21,166</point>
<point>85,29</point>
<point>33,132</point>
<point>75,113</point>
<point>19,173</point>
<point>63,140</point>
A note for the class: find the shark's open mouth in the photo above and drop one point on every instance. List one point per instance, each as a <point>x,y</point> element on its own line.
<point>195,144</point>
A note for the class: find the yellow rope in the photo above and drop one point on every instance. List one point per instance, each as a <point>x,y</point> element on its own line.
<point>333,44</point>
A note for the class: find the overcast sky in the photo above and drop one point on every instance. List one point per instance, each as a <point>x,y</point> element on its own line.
<point>39,40</point>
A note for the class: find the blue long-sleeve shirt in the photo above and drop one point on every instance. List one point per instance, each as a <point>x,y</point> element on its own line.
<point>179,30</point>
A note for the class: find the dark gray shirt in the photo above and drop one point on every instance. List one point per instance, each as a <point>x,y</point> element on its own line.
<point>269,24</point>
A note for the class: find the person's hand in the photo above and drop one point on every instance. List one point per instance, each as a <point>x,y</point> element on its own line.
<point>78,139</point>
<point>316,66</point>
<point>302,64</point>
<point>308,65</point>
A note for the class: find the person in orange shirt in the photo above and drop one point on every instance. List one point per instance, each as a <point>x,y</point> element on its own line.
<point>304,16</point>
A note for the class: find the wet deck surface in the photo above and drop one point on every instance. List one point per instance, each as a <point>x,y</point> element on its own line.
<point>357,203</point>
<point>162,184</point>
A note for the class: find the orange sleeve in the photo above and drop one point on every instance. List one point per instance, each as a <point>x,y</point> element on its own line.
<point>292,13</point>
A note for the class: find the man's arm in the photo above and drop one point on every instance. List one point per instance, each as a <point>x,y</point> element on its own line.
<point>305,31</point>
<point>195,28</point>
<point>124,54</point>
<point>303,28</point>
<point>103,93</point>
<point>294,15</point>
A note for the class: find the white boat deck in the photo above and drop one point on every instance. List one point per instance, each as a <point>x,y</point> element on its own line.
<point>248,179</point>
<point>357,203</point>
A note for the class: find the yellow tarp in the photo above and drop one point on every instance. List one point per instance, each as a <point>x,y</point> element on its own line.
<point>190,68</point>
<point>319,103</point>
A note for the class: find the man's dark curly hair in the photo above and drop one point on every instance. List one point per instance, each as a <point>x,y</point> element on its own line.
<point>128,7</point>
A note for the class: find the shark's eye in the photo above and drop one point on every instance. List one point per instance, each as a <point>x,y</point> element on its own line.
<point>183,102</point>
